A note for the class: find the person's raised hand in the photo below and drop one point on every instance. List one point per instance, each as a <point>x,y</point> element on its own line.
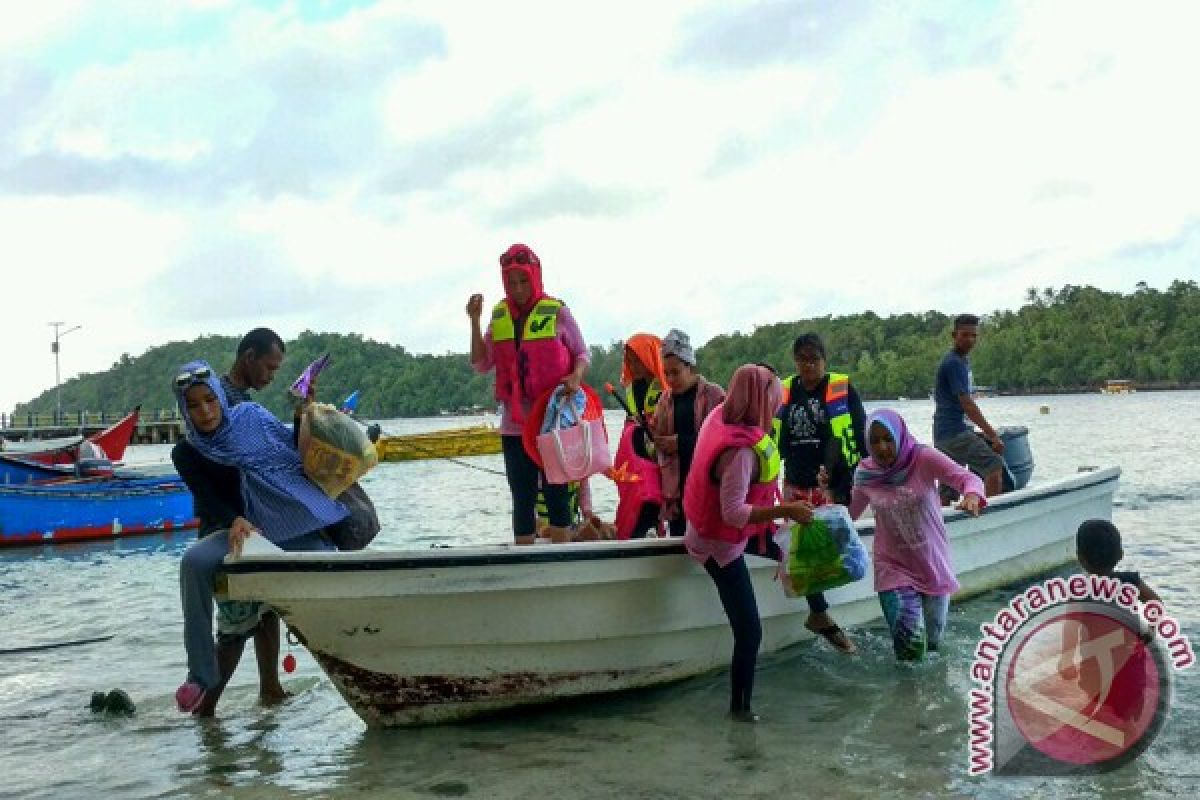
<point>475,306</point>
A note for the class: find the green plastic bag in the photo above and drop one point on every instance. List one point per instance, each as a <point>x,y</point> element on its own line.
<point>825,553</point>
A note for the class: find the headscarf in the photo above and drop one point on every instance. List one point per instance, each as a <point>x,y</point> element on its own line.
<point>753,398</point>
<point>280,499</point>
<point>676,343</point>
<point>509,261</point>
<point>870,472</point>
<point>648,349</point>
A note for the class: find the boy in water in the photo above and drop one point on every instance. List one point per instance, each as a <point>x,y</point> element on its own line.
<point>1098,548</point>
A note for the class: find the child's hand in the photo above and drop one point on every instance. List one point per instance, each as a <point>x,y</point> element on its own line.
<point>239,531</point>
<point>971,503</point>
<point>823,479</point>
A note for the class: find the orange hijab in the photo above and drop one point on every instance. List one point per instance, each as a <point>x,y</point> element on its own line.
<point>648,349</point>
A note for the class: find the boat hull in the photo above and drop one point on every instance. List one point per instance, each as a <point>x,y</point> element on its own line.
<point>423,637</point>
<point>113,440</point>
<point>69,512</point>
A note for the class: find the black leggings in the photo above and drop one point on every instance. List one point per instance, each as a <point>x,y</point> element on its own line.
<point>737,598</point>
<point>524,480</point>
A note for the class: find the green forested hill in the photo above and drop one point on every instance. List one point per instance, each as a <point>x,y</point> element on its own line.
<point>1072,338</point>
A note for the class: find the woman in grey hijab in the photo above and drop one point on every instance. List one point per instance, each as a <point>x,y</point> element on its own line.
<point>681,410</point>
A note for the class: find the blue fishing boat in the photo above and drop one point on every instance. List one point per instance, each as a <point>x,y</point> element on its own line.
<point>19,470</point>
<point>73,511</point>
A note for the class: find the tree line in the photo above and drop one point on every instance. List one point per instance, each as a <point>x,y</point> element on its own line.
<point>1073,338</point>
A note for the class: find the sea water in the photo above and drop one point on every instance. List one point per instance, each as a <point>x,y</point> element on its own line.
<point>832,726</point>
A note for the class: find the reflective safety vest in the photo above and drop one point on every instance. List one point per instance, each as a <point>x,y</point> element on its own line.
<point>702,494</point>
<point>653,392</point>
<point>545,360</point>
<point>837,411</point>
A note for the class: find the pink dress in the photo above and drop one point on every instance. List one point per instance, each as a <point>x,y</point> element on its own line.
<point>911,548</point>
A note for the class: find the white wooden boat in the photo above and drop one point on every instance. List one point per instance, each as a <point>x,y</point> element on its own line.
<point>418,637</point>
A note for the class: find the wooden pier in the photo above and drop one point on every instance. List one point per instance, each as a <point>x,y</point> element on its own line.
<point>161,426</point>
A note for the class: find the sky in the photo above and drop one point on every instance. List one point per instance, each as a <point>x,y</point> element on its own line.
<point>175,169</point>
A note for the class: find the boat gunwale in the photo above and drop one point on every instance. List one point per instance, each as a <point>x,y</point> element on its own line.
<point>505,554</point>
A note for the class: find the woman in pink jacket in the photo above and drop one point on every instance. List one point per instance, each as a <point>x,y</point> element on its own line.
<point>913,575</point>
<point>732,497</point>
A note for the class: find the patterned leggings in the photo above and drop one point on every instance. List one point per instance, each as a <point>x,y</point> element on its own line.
<point>917,621</point>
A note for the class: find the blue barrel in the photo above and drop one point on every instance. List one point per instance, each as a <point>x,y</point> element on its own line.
<point>1018,457</point>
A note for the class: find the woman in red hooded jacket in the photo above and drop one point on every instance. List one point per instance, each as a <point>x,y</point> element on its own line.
<point>534,344</point>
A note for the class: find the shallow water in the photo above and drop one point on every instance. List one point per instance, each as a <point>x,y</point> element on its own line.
<point>832,726</point>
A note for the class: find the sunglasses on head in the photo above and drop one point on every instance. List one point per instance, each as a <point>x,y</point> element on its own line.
<point>519,257</point>
<point>184,379</point>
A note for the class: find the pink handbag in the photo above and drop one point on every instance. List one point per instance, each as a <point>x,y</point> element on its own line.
<point>574,453</point>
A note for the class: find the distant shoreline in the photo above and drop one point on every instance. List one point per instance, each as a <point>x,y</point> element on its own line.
<point>1186,387</point>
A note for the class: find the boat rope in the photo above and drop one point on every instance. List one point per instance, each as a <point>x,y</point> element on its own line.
<point>476,466</point>
<point>36,648</point>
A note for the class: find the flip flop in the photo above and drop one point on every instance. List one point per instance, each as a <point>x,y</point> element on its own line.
<point>189,696</point>
<point>838,638</point>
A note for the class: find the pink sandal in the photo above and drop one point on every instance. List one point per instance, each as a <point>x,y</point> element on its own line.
<point>189,696</point>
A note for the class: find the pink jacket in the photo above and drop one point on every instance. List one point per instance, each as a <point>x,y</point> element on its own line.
<point>702,494</point>
<point>543,359</point>
<point>637,480</point>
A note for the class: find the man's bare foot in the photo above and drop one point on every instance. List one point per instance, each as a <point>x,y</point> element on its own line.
<point>526,539</point>
<point>208,706</point>
<point>273,696</point>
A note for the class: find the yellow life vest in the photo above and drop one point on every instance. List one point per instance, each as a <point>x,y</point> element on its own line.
<point>769,462</point>
<point>542,322</point>
<point>653,392</point>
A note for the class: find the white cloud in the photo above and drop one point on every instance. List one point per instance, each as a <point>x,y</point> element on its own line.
<point>706,167</point>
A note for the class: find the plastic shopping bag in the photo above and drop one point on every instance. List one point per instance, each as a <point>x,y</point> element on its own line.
<point>826,552</point>
<point>334,448</point>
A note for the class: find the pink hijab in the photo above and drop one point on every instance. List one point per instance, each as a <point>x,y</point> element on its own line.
<point>753,398</point>
<point>521,257</point>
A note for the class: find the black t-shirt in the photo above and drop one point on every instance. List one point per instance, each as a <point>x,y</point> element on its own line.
<point>806,440</point>
<point>684,408</point>
<point>640,389</point>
